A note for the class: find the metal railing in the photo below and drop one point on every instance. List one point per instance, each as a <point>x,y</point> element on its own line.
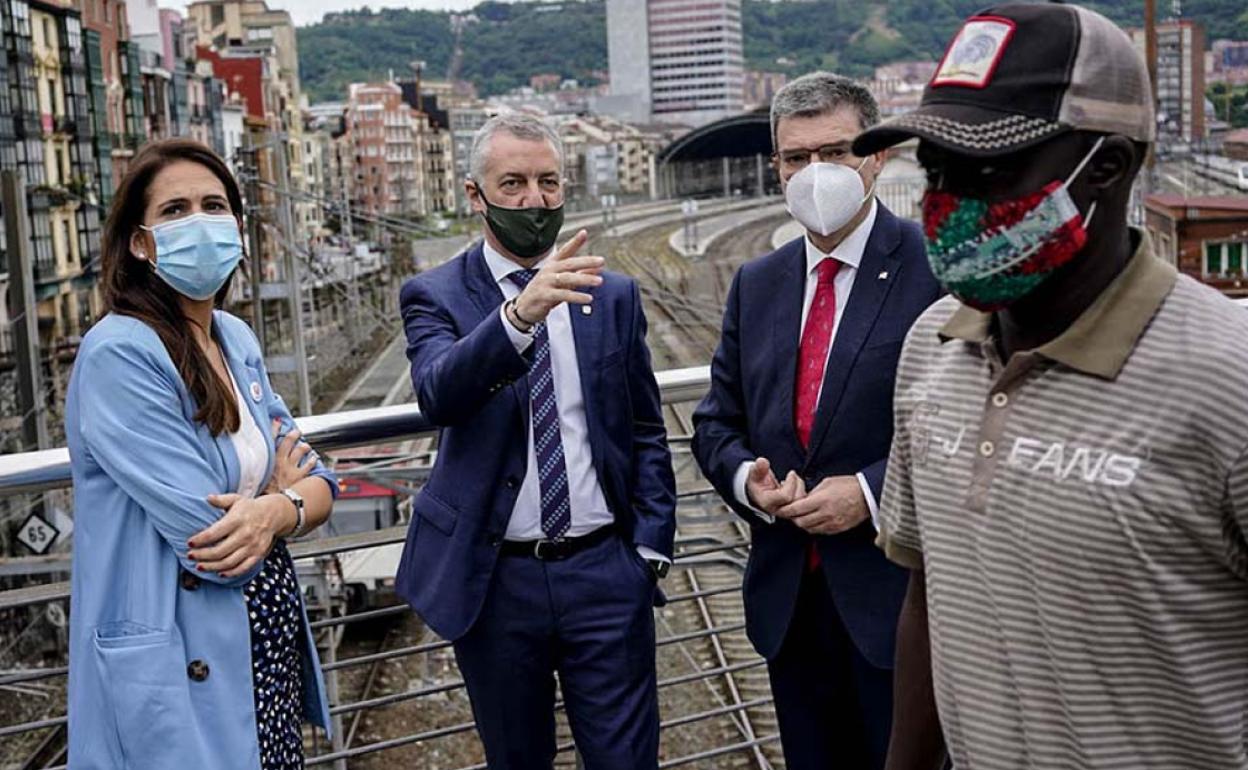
<point>706,714</point>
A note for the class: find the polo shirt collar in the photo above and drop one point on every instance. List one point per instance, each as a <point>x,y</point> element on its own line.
<point>1100,341</point>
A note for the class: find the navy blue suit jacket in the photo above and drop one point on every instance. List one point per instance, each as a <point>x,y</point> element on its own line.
<point>471,382</point>
<point>748,413</point>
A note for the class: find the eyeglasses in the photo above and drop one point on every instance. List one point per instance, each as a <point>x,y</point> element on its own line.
<point>797,159</point>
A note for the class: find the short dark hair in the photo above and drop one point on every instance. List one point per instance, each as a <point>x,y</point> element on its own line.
<point>819,93</point>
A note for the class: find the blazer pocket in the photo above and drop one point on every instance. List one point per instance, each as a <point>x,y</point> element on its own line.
<point>144,676</point>
<point>441,514</point>
<point>124,634</point>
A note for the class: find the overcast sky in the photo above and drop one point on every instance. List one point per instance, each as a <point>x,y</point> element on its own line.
<point>310,11</point>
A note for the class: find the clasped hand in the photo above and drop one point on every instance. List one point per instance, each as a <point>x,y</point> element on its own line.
<point>835,505</point>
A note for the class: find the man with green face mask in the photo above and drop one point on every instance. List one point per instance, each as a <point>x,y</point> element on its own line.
<point>549,515</point>
<point>1067,483</point>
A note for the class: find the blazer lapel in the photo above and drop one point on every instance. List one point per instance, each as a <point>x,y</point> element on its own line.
<point>587,337</point>
<point>243,376</point>
<point>587,334</point>
<point>877,273</point>
<point>786,332</point>
<point>480,281</point>
<point>487,296</point>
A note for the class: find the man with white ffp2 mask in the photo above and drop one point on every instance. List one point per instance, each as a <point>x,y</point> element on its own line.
<point>795,431</point>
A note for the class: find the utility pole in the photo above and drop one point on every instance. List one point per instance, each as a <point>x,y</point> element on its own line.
<point>1150,58</point>
<point>348,233</point>
<point>401,258</point>
<point>251,183</point>
<point>418,67</point>
<point>22,297</point>
<point>294,288</point>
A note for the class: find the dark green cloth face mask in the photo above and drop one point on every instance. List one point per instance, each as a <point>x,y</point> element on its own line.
<point>528,233</point>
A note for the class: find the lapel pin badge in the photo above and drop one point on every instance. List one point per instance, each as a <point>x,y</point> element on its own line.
<point>586,310</point>
<point>884,275</point>
<point>256,393</point>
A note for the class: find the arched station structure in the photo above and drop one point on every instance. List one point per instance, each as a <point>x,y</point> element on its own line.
<point>729,156</point>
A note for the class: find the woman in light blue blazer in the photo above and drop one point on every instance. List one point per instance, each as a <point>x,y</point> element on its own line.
<point>189,644</point>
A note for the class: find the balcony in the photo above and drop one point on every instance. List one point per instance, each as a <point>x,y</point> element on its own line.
<point>714,697</point>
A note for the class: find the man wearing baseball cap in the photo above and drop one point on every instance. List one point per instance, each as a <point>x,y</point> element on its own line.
<point>1068,481</point>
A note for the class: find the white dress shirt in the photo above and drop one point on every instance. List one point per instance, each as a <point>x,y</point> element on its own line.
<point>588,504</point>
<point>250,444</point>
<point>849,253</point>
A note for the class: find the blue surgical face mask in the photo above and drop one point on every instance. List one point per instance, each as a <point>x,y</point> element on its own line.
<point>197,254</point>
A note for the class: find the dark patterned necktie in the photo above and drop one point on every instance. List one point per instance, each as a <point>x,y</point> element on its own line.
<point>552,470</point>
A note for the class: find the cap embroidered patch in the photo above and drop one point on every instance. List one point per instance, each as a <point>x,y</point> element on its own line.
<point>256,393</point>
<point>973,56</point>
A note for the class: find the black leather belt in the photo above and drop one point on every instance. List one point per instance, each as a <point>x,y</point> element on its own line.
<point>555,550</point>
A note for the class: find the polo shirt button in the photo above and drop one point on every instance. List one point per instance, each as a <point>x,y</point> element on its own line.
<point>987,449</point>
<point>999,400</point>
<point>197,670</point>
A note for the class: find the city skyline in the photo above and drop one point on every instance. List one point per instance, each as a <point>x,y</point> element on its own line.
<point>305,12</point>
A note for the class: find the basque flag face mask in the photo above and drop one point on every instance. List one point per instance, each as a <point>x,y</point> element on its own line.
<point>990,255</point>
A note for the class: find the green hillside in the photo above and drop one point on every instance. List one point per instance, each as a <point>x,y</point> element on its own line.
<point>509,42</point>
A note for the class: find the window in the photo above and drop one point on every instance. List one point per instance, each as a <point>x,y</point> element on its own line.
<point>73,33</point>
<point>1224,258</point>
<point>67,242</point>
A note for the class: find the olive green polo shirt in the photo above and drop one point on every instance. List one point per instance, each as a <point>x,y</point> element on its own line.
<point>1079,512</point>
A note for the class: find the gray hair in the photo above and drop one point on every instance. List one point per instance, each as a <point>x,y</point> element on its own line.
<point>820,93</point>
<point>518,125</point>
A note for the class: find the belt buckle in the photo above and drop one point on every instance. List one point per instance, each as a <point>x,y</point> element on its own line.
<point>553,554</point>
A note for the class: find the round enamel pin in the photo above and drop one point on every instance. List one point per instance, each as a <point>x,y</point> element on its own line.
<point>256,393</point>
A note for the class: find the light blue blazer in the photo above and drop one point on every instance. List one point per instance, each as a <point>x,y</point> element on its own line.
<point>140,613</point>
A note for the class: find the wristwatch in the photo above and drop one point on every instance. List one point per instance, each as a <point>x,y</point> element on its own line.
<point>297,499</point>
<point>513,317</point>
<point>660,567</point>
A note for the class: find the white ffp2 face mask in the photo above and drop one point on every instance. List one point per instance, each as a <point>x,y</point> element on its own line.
<point>824,197</point>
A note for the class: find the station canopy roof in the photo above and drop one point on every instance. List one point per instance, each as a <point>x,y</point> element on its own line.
<point>739,136</point>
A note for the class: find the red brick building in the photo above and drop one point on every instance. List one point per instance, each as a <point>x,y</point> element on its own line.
<point>1205,237</point>
<point>388,159</point>
<point>1235,145</point>
<point>243,75</point>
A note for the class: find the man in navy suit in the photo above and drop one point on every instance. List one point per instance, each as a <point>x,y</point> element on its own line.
<point>549,515</point>
<point>795,431</point>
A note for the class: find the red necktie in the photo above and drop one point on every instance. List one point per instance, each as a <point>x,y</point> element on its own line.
<point>812,357</point>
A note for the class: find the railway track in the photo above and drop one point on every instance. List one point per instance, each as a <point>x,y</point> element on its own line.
<point>683,301</point>
<point>684,304</point>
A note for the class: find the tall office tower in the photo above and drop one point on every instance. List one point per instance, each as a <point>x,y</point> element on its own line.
<point>675,61</point>
<point>1180,79</point>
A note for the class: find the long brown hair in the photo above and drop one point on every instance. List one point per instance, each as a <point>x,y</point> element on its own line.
<point>132,288</point>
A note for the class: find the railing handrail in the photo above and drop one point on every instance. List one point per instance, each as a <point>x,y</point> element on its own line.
<point>40,471</point>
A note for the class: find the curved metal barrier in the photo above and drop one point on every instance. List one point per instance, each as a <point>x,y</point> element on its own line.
<point>721,709</point>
